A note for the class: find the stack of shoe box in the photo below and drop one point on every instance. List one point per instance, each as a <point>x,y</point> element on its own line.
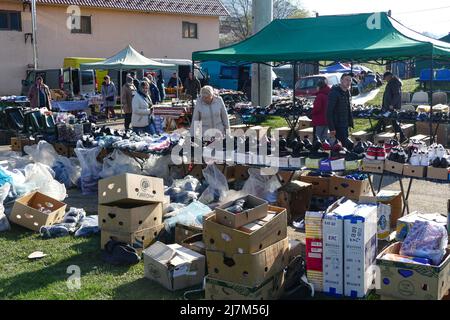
<point>246,250</point>
<point>130,209</point>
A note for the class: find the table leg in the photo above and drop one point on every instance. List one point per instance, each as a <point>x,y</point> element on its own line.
<point>371,185</point>
<point>406,196</point>
<point>381,182</point>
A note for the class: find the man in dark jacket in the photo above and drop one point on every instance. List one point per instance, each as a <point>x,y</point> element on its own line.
<point>192,86</point>
<point>339,112</point>
<point>392,100</point>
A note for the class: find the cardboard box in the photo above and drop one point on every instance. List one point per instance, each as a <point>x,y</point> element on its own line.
<point>25,211</point>
<point>285,176</point>
<point>304,122</point>
<point>352,189</point>
<point>360,250</point>
<point>139,239</point>
<point>236,220</point>
<point>250,269</point>
<point>414,171</point>
<point>394,167</point>
<point>237,127</point>
<point>218,237</point>
<point>314,248</point>
<point>183,232</point>
<point>306,133</point>
<point>127,218</point>
<point>271,289</point>
<point>296,163</point>
<point>383,137</point>
<point>337,165</point>
<point>196,171</point>
<point>374,166</point>
<point>173,266</point>
<point>408,129</point>
<point>362,136</point>
<point>295,197</point>
<point>130,189</point>
<point>62,149</point>
<point>333,247</point>
<point>438,173</point>
<point>383,217</point>
<point>260,131</point>
<point>422,137</point>
<point>17,143</point>
<point>353,165</point>
<point>282,132</point>
<point>394,199</point>
<point>320,185</point>
<point>405,223</point>
<point>241,172</point>
<point>441,134</point>
<point>195,243</point>
<point>410,281</point>
<point>312,163</point>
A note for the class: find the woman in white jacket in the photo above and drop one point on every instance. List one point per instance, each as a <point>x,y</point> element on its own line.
<point>141,109</point>
<point>211,112</point>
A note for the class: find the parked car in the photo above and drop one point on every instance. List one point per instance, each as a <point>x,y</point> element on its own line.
<point>307,86</point>
<point>72,81</point>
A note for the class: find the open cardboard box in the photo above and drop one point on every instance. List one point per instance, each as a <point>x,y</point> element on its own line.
<point>173,266</point>
<point>352,189</point>
<point>130,189</point>
<point>249,269</point>
<point>183,232</point>
<point>129,218</point>
<point>258,210</point>
<point>410,281</point>
<point>218,237</point>
<point>26,212</point>
<point>195,243</point>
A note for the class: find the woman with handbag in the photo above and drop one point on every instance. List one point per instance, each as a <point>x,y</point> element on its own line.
<point>141,105</point>
<point>109,96</point>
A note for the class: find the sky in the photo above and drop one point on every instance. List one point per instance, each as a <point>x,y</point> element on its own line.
<point>432,16</point>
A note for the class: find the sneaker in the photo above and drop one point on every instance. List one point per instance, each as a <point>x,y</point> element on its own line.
<point>436,163</point>
<point>307,143</point>
<point>423,158</point>
<point>432,152</point>
<point>371,153</point>
<point>326,146</point>
<point>415,158</point>
<point>402,156</point>
<point>440,151</point>
<point>359,148</point>
<point>444,163</point>
<point>393,155</point>
<point>381,153</point>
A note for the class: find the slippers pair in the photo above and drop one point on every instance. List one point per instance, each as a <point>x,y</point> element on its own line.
<point>120,253</point>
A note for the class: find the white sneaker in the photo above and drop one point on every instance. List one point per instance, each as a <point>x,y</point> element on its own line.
<point>440,151</point>
<point>424,159</point>
<point>415,158</point>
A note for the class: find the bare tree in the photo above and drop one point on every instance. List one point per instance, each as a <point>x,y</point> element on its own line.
<point>238,26</point>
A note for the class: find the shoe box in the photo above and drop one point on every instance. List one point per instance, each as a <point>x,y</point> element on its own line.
<point>237,128</point>
<point>306,133</point>
<point>421,137</point>
<point>395,201</point>
<point>408,129</point>
<point>248,239</point>
<point>373,166</point>
<point>351,189</point>
<point>17,143</point>
<point>258,210</point>
<point>195,243</point>
<point>412,281</point>
<point>394,167</point>
<point>304,122</point>
<point>442,133</point>
<point>260,131</point>
<point>129,218</point>
<point>139,240</point>
<point>362,135</point>
<point>414,171</point>
<point>384,136</point>
<point>295,196</point>
<point>130,189</point>
<point>320,185</point>
<point>271,289</point>
<point>249,269</point>
<point>173,266</point>
<point>438,173</point>
<point>27,213</point>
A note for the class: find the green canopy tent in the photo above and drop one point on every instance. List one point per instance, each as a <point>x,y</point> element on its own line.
<point>356,37</point>
<point>126,59</point>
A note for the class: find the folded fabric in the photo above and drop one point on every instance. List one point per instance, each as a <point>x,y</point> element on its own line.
<point>69,225</point>
<point>88,226</point>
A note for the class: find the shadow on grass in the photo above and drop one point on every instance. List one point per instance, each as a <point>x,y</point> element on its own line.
<point>89,260</point>
<point>145,289</point>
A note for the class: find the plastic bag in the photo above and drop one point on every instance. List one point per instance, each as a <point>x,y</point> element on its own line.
<point>88,226</point>
<point>41,178</point>
<point>217,185</point>
<point>4,223</point>
<point>43,152</point>
<point>262,186</point>
<point>158,166</point>
<point>118,163</point>
<point>188,183</point>
<point>15,159</point>
<point>192,215</point>
<point>66,172</point>
<point>4,177</point>
<point>426,239</point>
<point>172,209</point>
<point>90,169</point>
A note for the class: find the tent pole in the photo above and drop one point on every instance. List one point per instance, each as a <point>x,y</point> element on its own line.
<point>178,99</point>
<point>259,84</point>
<point>193,75</point>
<point>431,104</point>
<point>120,90</point>
<point>294,66</point>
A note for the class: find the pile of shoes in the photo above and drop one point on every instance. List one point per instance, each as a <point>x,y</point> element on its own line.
<point>398,154</point>
<point>438,156</point>
<point>375,152</point>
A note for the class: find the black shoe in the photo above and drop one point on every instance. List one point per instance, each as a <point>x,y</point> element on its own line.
<point>437,163</point>
<point>444,163</point>
<point>119,253</point>
<point>307,143</point>
<point>359,148</point>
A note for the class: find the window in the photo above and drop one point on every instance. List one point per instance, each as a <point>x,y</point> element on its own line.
<point>190,30</point>
<point>10,20</point>
<point>85,25</point>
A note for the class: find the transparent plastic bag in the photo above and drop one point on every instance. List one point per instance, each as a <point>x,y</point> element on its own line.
<point>118,163</point>
<point>262,186</point>
<point>90,169</point>
<point>426,239</point>
<point>66,171</point>
<point>15,159</point>
<point>4,223</point>
<point>43,152</point>
<point>41,178</point>
<point>188,183</point>
<point>4,177</point>
<point>158,166</point>
<point>217,185</point>
<point>192,215</point>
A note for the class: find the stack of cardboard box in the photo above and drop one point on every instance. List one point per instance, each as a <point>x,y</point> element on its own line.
<point>130,209</point>
<point>246,252</point>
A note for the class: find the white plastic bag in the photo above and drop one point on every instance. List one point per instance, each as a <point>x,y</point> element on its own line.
<point>262,186</point>
<point>119,163</point>
<point>40,177</point>
<point>66,171</point>
<point>157,166</point>
<point>4,223</point>
<point>90,168</point>
<point>43,152</point>
<point>217,185</point>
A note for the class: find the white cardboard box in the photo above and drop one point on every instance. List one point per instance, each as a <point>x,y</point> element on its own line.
<point>360,239</point>
<point>333,248</point>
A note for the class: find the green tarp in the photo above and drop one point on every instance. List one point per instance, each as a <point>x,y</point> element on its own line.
<point>357,37</point>
<point>127,59</point>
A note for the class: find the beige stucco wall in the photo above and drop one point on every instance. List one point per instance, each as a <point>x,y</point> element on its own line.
<point>157,35</point>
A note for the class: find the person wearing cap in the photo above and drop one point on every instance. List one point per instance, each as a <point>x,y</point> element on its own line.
<point>128,91</point>
<point>392,101</point>
<point>109,96</point>
<point>39,95</point>
<point>174,81</point>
